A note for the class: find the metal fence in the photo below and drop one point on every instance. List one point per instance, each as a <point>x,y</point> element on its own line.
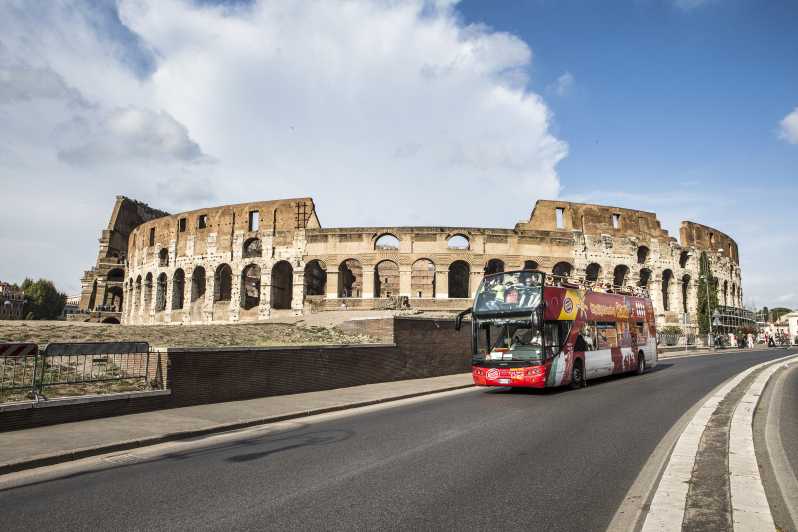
<point>70,369</point>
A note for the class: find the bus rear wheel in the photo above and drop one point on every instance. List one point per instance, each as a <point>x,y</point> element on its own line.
<point>577,375</point>
<point>641,363</point>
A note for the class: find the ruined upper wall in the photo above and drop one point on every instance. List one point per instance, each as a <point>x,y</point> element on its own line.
<point>126,216</point>
<point>594,220</point>
<point>710,239</point>
<point>280,218</point>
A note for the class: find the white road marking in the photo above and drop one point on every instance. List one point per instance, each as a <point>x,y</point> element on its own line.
<point>668,505</point>
<point>750,509</point>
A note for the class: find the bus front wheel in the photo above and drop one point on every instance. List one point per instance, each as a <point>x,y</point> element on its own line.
<point>641,363</point>
<point>577,375</point>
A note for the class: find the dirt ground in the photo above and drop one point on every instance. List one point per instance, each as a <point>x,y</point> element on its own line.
<point>312,329</point>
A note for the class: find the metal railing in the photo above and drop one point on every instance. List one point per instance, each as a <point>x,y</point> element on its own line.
<point>71,369</point>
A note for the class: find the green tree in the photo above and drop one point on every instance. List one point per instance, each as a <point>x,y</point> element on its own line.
<point>778,312</point>
<point>42,300</point>
<point>706,308</point>
<point>765,315</point>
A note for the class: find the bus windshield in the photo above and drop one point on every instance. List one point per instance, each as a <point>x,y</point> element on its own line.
<point>509,293</point>
<point>510,340</point>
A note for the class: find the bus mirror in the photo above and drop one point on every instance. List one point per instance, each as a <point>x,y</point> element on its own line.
<point>458,321</point>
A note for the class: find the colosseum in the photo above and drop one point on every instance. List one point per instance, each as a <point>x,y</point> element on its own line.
<point>261,260</point>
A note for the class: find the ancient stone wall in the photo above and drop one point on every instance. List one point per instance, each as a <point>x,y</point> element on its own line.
<point>214,265</point>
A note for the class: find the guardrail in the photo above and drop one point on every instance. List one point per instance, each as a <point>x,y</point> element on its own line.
<point>70,369</point>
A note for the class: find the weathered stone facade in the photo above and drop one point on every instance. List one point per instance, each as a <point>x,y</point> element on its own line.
<point>256,260</point>
<point>102,293</point>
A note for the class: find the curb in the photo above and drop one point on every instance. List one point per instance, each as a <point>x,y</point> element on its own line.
<point>77,454</point>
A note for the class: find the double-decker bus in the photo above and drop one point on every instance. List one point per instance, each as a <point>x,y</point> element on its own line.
<point>535,330</point>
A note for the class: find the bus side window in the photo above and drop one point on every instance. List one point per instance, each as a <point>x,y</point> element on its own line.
<point>607,335</point>
<point>641,330</point>
<point>586,339</point>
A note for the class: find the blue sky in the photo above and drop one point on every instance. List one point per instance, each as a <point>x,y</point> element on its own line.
<point>400,113</point>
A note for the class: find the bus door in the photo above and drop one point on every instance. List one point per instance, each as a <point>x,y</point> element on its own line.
<point>602,360</point>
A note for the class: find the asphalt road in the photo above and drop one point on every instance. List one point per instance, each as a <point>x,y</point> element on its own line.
<point>789,418</point>
<point>481,459</point>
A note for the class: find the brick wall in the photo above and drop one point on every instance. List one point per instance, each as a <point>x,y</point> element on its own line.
<point>422,348</point>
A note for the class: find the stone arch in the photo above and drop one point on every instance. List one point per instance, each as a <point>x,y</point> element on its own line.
<point>197,283</point>
<point>562,269</point>
<point>726,292</point>
<point>386,279</point>
<point>531,265</point>
<point>620,275</point>
<point>667,278</point>
<point>459,273</point>
<point>252,248</point>
<point>592,272</point>
<point>282,285</point>
<point>148,291</point>
<point>644,279</point>
<point>458,241</point>
<point>350,278</point>
<point>136,294</point>
<point>178,289</point>
<point>642,254</point>
<point>114,297</point>
<point>386,241</point>
<point>163,258</point>
<point>315,278</point>
<point>684,256</point>
<point>494,266</point>
<point>422,278</point>
<point>250,286</point>
<point>160,292</point>
<point>222,283</point>
<point>734,295</point>
<point>685,292</point>
<point>111,321</point>
<point>115,275</point>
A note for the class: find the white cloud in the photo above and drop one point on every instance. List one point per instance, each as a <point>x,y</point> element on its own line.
<point>564,84</point>
<point>384,112</point>
<point>789,127</point>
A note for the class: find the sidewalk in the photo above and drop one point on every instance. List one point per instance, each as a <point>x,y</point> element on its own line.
<point>706,351</point>
<point>25,449</point>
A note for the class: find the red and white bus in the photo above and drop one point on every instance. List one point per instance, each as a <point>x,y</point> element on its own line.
<point>533,330</point>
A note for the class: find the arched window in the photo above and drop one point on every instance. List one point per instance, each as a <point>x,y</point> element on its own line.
<point>735,295</point>
<point>116,275</point>
<point>178,289</point>
<point>350,279</point>
<point>315,278</point>
<point>667,277</point>
<point>592,272</point>
<point>163,257</point>
<point>494,266</point>
<point>250,287</point>
<point>136,294</point>
<point>160,293</point>
<point>684,256</point>
<point>386,279</point>
<point>531,265</point>
<point>642,254</point>
<point>282,285</point>
<point>222,283</point>
<point>685,292</point>
<point>422,278</point>
<point>459,272</point>
<point>148,291</point>
<point>619,275</point>
<point>386,242</point>
<point>458,242</point>
<point>197,283</point>
<point>562,269</point>
<point>252,248</point>
<point>644,278</point>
